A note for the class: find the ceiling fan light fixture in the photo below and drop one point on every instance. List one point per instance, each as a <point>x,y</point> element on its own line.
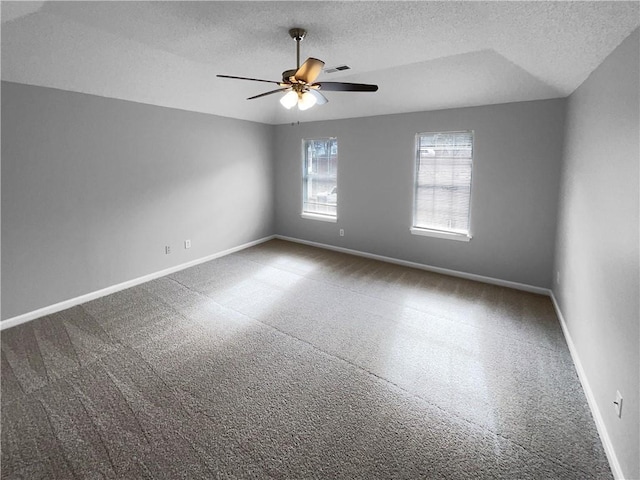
<point>289,99</point>
<point>306,101</point>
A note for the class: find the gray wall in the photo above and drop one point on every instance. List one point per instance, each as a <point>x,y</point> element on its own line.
<point>94,188</point>
<point>597,247</point>
<point>517,157</point>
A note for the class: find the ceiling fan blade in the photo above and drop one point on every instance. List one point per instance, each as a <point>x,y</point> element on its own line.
<point>320,99</point>
<point>346,87</point>
<point>269,93</point>
<point>251,79</point>
<point>309,70</point>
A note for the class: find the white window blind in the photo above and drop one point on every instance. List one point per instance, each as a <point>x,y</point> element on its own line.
<point>442,199</point>
<point>320,177</point>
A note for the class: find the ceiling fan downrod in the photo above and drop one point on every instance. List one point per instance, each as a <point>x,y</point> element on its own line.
<point>298,35</point>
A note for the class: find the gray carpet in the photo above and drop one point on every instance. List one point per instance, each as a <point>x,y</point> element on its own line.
<point>287,361</point>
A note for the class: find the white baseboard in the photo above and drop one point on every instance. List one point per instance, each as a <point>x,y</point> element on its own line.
<point>421,266</point>
<point>72,302</point>
<point>591,400</point>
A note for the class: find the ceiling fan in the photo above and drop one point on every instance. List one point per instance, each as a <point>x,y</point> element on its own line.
<point>299,83</point>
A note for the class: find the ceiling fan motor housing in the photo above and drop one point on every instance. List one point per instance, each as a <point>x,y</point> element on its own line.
<point>287,74</point>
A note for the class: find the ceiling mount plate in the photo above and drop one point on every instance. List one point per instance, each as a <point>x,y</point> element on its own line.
<point>297,33</point>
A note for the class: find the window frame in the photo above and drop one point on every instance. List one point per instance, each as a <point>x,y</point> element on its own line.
<point>434,232</point>
<point>322,217</point>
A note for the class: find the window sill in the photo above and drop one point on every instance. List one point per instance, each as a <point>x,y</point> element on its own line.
<point>425,232</point>
<point>321,218</point>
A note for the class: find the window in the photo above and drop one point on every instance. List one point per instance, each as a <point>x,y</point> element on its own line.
<point>442,198</point>
<point>320,179</point>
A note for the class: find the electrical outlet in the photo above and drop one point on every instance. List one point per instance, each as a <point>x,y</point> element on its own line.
<point>187,244</point>
<point>342,232</point>
<point>618,404</point>
<point>167,250</point>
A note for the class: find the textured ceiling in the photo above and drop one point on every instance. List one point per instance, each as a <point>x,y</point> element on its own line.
<point>423,55</point>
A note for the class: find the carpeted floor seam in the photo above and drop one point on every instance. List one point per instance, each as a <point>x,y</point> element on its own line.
<point>368,372</point>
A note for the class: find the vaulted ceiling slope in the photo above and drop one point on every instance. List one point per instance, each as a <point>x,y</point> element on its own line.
<point>423,55</point>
